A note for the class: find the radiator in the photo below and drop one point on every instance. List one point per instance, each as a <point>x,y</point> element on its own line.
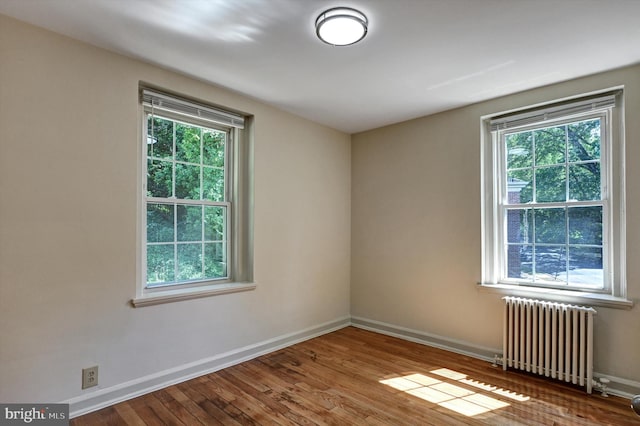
<point>550,339</point>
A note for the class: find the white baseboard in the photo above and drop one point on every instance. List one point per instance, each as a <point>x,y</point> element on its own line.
<point>617,385</point>
<point>416,336</point>
<point>105,397</point>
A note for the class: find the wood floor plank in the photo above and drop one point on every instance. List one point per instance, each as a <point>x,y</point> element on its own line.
<point>191,406</point>
<point>219,401</point>
<point>302,407</point>
<point>144,410</point>
<point>167,416</point>
<point>202,407</point>
<point>176,408</point>
<point>128,414</point>
<point>250,402</point>
<point>357,377</point>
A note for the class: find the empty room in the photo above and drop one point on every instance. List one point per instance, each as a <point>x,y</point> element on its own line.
<point>289,212</point>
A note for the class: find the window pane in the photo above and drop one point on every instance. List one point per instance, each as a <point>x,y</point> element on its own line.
<point>188,143</point>
<point>584,140</point>
<point>551,184</point>
<point>213,182</point>
<point>519,150</point>
<point>550,264</point>
<point>519,261</point>
<point>519,225</point>
<point>189,224</point>
<point>584,182</point>
<point>187,182</point>
<point>215,260</point>
<point>520,186</point>
<point>189,261</point>
<point>550,226</point>
<point>550,145</point>
<point>585,225</point>
<point>214,223</point>
<point>160,263</point>
<point>159,138</point>
<point>585,266</point>
<point>159,178</point>
<point>214,147</point>
<point>159,223</point>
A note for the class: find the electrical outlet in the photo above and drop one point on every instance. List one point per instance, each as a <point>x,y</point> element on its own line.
<point>89,377</point>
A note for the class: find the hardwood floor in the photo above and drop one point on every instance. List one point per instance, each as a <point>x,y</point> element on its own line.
<point>356,377</point>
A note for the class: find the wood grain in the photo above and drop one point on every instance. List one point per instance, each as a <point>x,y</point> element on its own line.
<point>337,379</point>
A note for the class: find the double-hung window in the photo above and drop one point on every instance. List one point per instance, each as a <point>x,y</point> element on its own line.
<point>553,213</point>
<point>190,194</point>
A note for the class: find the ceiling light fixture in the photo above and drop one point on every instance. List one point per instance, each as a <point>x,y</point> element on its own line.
<point>341,26</point>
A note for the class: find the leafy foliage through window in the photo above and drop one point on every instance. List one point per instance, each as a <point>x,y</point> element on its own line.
<point>187,207</point>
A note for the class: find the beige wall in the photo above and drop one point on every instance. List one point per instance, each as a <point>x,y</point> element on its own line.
<point>69,138</point>
<point>416,226</point>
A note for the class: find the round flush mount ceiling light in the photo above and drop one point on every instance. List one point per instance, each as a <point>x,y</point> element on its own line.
<point>341,26</point>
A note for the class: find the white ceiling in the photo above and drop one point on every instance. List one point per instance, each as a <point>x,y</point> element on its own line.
<point>420,56</point>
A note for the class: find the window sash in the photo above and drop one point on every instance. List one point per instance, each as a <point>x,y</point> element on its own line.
<point>151,112</point>
<point>534,244</point>
<point>229,138</point>
<point>503,205</point>
<point>176,242</point>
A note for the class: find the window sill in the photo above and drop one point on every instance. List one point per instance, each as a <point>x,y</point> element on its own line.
<point>176,295</point>
<point>564,296</point>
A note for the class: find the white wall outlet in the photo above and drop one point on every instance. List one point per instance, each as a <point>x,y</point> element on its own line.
<point>89,377</point>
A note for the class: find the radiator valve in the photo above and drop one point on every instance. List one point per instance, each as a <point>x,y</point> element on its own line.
<point>602,385</point>
<point>496,359</point>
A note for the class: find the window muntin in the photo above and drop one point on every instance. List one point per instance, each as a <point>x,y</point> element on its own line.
<point>553,203</point>
<point>187,201</point>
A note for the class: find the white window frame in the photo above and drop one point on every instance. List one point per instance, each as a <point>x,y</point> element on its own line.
<point>237,201</point>
<point>608,105</point>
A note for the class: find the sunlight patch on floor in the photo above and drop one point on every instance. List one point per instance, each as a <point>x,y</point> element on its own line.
<point>449,374</point>
<point>464,407</point>
<point>441,387</point>
<point>511,395</point>
<point>401,383</point>
<point>429,394</point>
<point>479,385</point>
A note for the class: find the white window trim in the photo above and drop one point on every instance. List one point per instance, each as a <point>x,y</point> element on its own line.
<point>615,296</point>
<point>240,222</point>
